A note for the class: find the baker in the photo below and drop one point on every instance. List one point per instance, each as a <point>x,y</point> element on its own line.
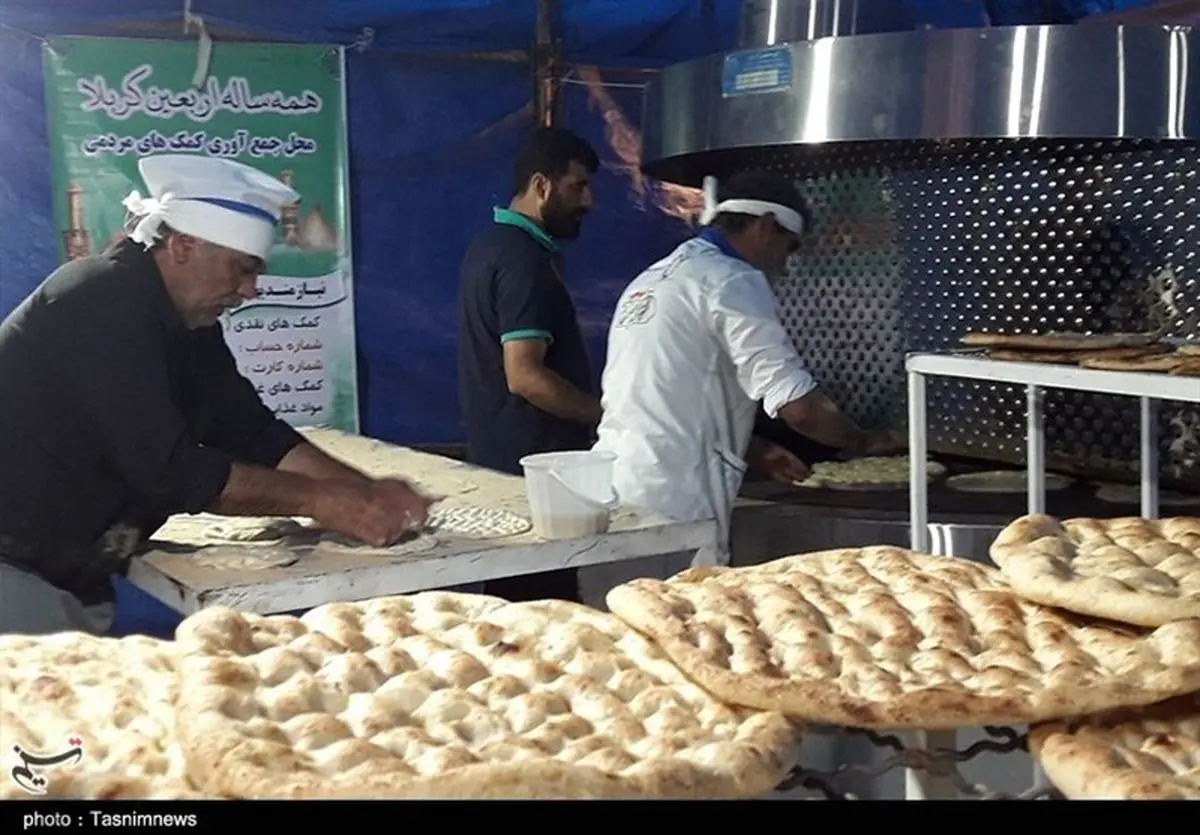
<point>122,404</point>
<point>526,383</point>
<point>695,345</point>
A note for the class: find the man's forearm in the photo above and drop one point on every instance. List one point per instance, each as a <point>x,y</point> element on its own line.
<point>816,416</point>
<point>306,459</point>
<point>261,491</point>
<point>551,393</point>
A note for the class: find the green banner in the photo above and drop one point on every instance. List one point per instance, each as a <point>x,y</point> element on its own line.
<point>279,108</point>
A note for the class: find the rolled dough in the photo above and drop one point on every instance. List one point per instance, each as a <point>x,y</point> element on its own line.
<point>470,522</point>
<point>872,472</point>
<point>1002,481</point>
<point>254,558</point>
<point>338,544</point>
<point>1130,494</point>
<point>253,529</point>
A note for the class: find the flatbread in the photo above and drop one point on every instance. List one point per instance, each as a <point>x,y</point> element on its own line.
<point>1166,362</point>
<point>1187,367</point>
<point>1058,341</point>
<point>458,696</point>
<point>116,696</point>
<point>1189,349</point>
<point>470,522</point>
<point>1130,494</point>
<point>1003,481</point>
<point>886,638</point>
<point>1074,357</point>
<point>1150,753</point>
<point>876,472</point>
<point>1132,570</point>
<point>244,557</point>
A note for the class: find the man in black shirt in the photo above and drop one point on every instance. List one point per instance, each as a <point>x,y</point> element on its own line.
<point>122,404</point>
<point>525,380</point>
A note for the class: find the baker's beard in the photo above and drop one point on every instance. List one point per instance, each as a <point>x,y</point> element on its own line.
<point>560,221</point>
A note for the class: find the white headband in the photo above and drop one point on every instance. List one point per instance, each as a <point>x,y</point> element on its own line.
<point>788,218</point>
<point>242,228</point>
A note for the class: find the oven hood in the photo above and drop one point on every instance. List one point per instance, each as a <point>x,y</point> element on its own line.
<point>808,73</point>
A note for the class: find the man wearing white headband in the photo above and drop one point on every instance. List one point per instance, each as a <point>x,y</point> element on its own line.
<point>695,345</point>
<point>123,404</point>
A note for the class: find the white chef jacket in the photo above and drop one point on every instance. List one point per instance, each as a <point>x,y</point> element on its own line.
<point>694,345</point>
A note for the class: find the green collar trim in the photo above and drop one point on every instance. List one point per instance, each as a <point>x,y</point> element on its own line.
<point>511,218</point>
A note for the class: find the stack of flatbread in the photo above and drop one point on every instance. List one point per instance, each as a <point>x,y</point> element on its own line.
<point>431,695</point>
<point>694,687</point>
<point>1134,571</point>
<point>1082,619</point>
<point>1104,352</point>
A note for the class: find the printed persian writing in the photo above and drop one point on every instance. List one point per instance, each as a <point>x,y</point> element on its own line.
<point>279,323</point>
<point>281,291</point>
<point>201,104</point>
<point>240,144</point>
<point>304,408</point>
<point>297,347</point>
<point>30,774</point>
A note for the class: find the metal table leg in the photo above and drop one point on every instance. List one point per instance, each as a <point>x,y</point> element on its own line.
<point>918,485</point>
<point>1149,457</point>
<point>921,785</point>
<point>1035,450</point>
<point>1035,446</point>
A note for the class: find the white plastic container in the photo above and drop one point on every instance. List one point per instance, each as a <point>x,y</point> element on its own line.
<point>570,493</point>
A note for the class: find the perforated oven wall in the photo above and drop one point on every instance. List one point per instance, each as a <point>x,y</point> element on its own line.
<point>918,243</point>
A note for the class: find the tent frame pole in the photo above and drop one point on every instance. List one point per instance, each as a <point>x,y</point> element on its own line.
<point>546,66</point>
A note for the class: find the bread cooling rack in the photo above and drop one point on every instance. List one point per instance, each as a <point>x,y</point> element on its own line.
<point>941,764</point>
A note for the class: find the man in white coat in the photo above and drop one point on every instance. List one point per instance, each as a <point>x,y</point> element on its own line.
<point>695,345</point>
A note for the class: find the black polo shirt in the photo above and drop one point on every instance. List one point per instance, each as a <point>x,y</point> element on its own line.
<point>112,412</point>
<point>511,288</point>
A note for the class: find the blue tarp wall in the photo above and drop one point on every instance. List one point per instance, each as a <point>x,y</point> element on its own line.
<point>432,137</point>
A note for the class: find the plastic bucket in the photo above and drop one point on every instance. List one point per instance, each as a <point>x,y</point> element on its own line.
<point>570,493</point>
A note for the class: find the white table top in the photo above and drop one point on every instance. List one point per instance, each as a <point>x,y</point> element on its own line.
<point>170,573</point>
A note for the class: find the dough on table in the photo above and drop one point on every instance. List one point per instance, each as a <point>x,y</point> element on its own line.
<point>450,695</point>
<point>431,474</point>
<point>204,529</point>
<point>887,638</point>
<point>469,522</point>
<point>1132,570</point>
<point>1131,494</point>
<point>253,529</point>
<point>244,557</point>
<point>1003,481</point>
<point>412,544</point>
<point>872,471</point>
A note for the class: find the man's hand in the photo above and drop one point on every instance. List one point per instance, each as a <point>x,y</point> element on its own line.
<point>775,462</point>
<point>887,442</point>
<point>377,513</point>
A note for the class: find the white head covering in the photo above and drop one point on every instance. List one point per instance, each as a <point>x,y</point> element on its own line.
<point>786,217</point>
<point>220,200</point>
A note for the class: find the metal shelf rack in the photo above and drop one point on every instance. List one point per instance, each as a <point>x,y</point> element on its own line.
<point>1148,387</point>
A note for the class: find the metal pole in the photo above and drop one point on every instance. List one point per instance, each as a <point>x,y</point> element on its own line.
<point>1149,457</point>
<point>918,499</point>
<point>1035,449</point>
<point>546,66</point>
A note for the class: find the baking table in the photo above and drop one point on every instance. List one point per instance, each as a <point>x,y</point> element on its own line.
<point>168,571</point>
